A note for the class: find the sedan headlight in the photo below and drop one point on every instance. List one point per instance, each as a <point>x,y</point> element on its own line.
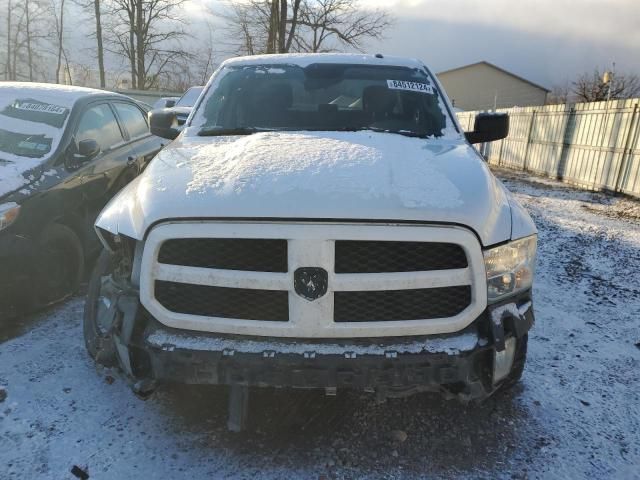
<point>510,268</point>
<point>8,214</point>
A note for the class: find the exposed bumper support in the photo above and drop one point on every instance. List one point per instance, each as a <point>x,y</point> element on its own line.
<point>461,365</point>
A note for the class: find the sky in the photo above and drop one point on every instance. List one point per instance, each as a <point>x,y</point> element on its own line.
<point>549,42</point>
<point>546,41</point>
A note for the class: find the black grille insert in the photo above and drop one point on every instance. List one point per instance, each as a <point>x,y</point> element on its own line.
<point>239,303</point>
<point>383,257</point>
<point>394,305</point>
<point>257,255</point>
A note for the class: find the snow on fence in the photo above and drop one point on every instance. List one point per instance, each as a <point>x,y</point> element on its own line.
<point>591,145</point>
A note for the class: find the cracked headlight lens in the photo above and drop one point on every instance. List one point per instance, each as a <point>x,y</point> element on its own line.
<point>8,214</point>
<point>510,268</point>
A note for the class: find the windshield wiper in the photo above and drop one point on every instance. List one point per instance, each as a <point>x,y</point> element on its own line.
<point>221,132</point>
<point>406,133</point>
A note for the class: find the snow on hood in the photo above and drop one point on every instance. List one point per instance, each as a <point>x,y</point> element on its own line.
<point>35,109</point>
<point>364,164</point>
<point>321,175</point>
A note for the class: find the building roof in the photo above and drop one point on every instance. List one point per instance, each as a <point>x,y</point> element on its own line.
<point>483,62</point>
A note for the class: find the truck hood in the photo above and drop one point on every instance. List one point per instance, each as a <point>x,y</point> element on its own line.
<point>315,175</point>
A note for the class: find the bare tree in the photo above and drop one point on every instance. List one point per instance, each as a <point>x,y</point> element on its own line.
<point>559,94</point>
<point>37,17</point>
<point>242,28</point>
<point>147,33</point>
<point>281,26</point>
<point>98,17</point>
<point>95,10</point>
<point>261,26</point>
<point>7,65</point>
<point>28,38</point>
<point>330,24</point>
<point>593,88</point>
<point>59,38</point>
<point>208,53</point>
<point>26,30</point>
<point>15,44</point>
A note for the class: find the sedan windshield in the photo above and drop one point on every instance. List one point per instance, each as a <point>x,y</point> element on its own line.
<point>322,97</point>
<point>30,124</point>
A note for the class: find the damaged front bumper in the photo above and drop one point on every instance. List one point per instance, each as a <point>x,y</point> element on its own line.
<point>469,365</point>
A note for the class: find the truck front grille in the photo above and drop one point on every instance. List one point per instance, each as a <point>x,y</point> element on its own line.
<point>249,254</point>
<point>254,278</point>
<point>398,305</point>
<point>222,302</point>
<point>379,257</point>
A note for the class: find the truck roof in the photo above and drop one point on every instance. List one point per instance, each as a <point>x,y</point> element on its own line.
<point>305,59</point>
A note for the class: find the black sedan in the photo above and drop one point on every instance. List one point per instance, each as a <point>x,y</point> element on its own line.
<point>64,152</point>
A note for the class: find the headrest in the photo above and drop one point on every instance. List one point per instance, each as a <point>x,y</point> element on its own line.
<point>276,96</point>
<point>378,99</point>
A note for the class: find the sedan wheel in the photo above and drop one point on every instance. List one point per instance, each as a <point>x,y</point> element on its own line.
<point>61,266</point>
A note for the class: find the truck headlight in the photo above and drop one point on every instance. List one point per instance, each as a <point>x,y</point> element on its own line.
<point>510,268</point>
<point>8,214</point>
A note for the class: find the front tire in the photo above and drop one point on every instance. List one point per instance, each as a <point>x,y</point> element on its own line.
<point>61,267</point>
<point>99,310</point>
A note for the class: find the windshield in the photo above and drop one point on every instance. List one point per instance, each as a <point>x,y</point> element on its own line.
<point>323,97</point>
<point>189,98</point>
<point>30,124</point>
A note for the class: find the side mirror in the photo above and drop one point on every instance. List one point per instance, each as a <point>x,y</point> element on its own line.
<point>169,103</point>
<point>83,153</point>
<point>489,127</point>
<point>88,148</point>
<point>163,123</point>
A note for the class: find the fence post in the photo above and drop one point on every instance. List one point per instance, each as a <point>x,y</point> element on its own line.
<point>567,142</point>
<point>526,150</point>
<point>626,151</point>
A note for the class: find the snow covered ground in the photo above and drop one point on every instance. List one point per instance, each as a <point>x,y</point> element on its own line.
<point>576,413</point>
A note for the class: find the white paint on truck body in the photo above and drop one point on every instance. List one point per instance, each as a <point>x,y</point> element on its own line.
<point>312,188</point>
<point>357,176</point>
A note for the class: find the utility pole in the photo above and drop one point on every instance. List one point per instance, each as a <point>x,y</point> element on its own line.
<point>608,79</point>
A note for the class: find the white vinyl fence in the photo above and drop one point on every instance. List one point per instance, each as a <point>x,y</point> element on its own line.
<point>591,145</point>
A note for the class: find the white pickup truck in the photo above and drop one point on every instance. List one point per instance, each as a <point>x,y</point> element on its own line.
<point>322,221</point>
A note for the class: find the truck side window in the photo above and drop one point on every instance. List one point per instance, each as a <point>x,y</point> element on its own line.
<point>99,124</point>
<point>133,119</point>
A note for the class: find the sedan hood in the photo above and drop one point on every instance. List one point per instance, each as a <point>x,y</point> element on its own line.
<point>315,175</point>
<point>15,176</point>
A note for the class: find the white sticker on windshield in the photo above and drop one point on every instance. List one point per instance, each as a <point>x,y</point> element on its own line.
<point>410,86</point>
<point>40,107</point>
